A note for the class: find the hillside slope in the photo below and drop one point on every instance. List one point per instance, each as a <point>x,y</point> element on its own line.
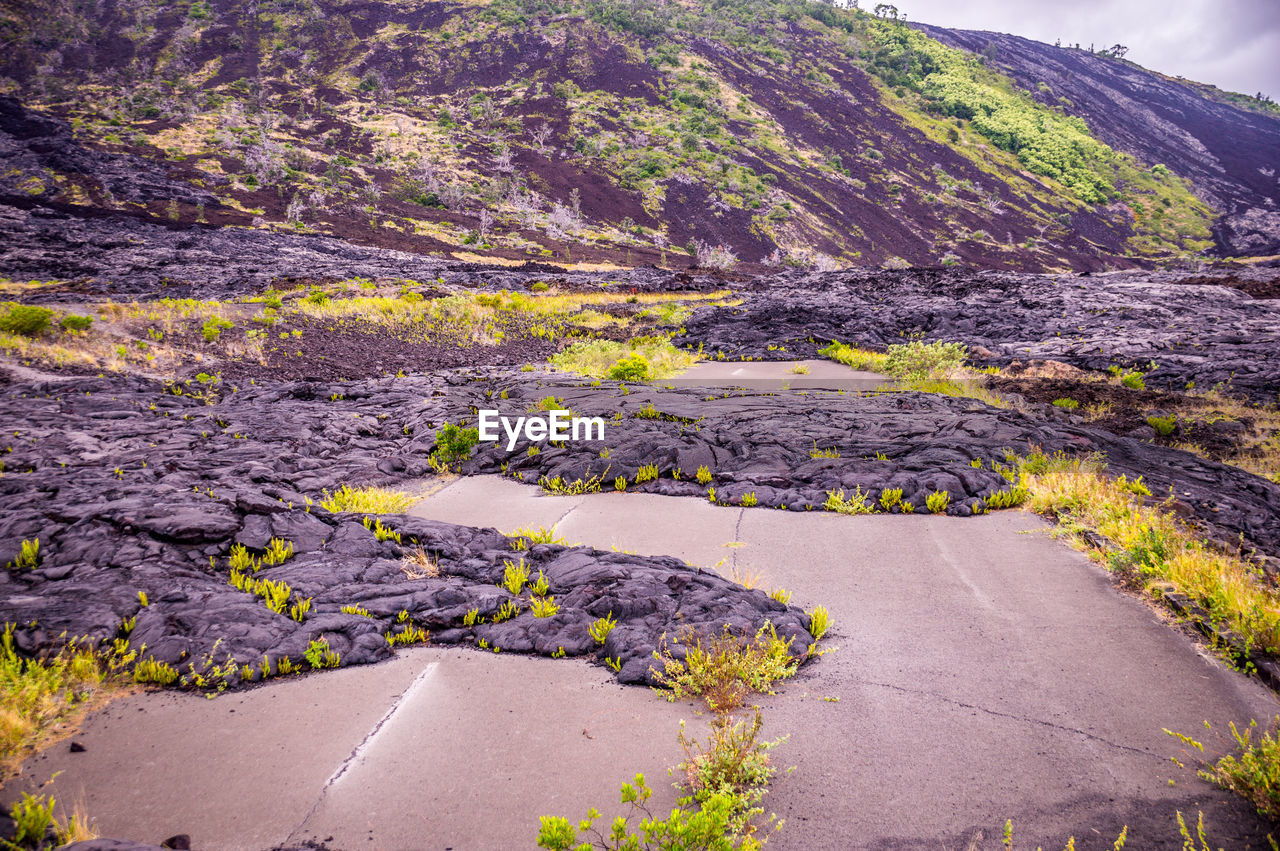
<point>1231,155</point>
<point>768,131</point>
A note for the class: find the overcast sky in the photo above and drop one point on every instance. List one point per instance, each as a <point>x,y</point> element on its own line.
<point>1234,44</point>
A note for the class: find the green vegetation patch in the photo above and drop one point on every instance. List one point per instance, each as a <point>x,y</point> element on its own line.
<point>639,359</point>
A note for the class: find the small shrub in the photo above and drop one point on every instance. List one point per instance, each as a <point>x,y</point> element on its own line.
<point>1164,426</point>
<point>1253,772</point>
<point>539,287</point>
<point>724,669</point>
<point>704,475</point>
<point>454,443</point>
<point>25,320</point>
<point>1066,404</point>
<point>919,360</point>
<point>707,827</point>
<point>213,328</point>
<point>647,473</point>
<point>74,322</point>
<point>749,500</point>
<point>734,763</point>
<point>1134,381</point>
<point>633,367</point>
<point>937,502</point>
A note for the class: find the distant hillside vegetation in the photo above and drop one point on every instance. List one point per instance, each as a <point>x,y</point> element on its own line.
<point>775,132</point>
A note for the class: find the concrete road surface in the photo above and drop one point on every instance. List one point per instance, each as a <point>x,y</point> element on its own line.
<point>984,672</point>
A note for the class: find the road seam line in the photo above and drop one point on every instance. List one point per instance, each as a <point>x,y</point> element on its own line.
<point>363,746</point>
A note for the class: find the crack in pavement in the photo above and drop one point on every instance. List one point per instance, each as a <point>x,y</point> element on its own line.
<point>362,747</point>
<point>1060,727</point>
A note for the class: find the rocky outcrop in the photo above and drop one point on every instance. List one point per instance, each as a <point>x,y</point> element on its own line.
<point>1230,155</point>
<point>1192,329</point>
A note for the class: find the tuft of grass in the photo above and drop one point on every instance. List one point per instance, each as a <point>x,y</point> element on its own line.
<point>523,538</point>
<point>557,485</point>
<point>419,564</point>
<point>726,667</point>
<point>368,499</point>
<point>637,359</point>
<point>704,475</point>
<point>862,360</point>
<point>855,503</point>
<point>42,698</point>
<point>278,552</point>
<point>1151,544</point>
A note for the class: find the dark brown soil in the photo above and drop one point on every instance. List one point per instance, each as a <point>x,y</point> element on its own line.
<point>327,351</point>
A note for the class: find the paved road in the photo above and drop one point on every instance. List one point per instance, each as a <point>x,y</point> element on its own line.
<point>776,375</point>
<point>984,672</point>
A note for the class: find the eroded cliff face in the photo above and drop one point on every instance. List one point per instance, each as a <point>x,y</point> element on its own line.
<point>1231,155</point>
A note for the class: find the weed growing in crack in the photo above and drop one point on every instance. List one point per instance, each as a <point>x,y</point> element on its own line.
<point>733,763</point>
<point>507,611</point>
<point>408,635</point>
<point>278,552</point>
<point>704,475</point>
<point>419,564</point>
<point>937,502</point>
<point>724,668</point>
<point>524,538</point>
<point>28,557</point>
<point>601,627</point>
<point>560,487</point>
<point>382,533</point>
<point>543,607</point>
<point>856,503</point>
<point>514,575</point>
<point>819,622</point>
<point>319,655</point>
<point>889,497</point>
